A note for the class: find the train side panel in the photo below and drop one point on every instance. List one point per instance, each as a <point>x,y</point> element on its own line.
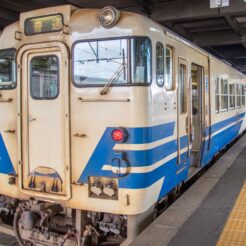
<point>227,122</point>
<point>8,122</point>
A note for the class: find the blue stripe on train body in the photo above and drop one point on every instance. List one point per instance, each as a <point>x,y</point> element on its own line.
<point>6,165</point>
<point>174,174</point>
<point>221,139</point>
<point>219,125</point>
<point>104,154</point>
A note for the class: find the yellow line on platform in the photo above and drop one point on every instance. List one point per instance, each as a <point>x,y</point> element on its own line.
<point>234,232</point>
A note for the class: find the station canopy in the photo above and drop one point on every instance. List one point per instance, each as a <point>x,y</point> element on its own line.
<point>217,26</point>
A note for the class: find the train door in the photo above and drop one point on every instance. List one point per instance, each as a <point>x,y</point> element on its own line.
<point>183,111</point>
<point>44,125</point>
<point>196,111</point>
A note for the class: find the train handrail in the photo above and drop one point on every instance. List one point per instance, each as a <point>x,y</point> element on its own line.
<point>6,100</point>
<point>103,100</point>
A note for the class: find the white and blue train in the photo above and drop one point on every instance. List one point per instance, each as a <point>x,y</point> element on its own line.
<point>103,114</point>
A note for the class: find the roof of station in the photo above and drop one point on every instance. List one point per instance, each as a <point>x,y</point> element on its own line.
<point>220,30</point>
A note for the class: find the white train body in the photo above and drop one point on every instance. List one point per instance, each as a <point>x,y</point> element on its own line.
<point>56,121</point>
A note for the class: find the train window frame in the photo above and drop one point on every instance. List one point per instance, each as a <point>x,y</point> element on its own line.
<point>173,88</point>
<point>58,79</point>
<point>132,79</point>
<point>8,86</point>
<point>185,83</point>
<point>242,95</point>
<point>232,95</point>
<point>224,95</point>
<point>238,95</point>
<point>217,95</point>
<point>161,58</point>
<point>129,69</point>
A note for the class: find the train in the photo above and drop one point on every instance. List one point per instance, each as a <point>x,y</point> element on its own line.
<point>104,115</point>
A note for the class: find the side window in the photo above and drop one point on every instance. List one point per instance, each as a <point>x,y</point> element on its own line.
<point>217,95</point>
<point>7,69</point>
<point>169,78</point>
<point>243,95</point>
<point>44,77</point>
<point>238,91</point>
<point>141,60</point>
<point>159,64</point>
<point>232,96</point>
<point>182,87</point>
<point>224,94</point>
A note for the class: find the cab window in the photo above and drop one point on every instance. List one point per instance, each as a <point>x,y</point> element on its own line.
<point>7,69</point>
<point>100,61</point>
<point>112,61</point>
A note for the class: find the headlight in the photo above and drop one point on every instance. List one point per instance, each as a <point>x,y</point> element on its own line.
<point>109,16</point>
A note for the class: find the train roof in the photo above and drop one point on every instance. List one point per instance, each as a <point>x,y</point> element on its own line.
<point>74,18</point>
<point>177,37</point>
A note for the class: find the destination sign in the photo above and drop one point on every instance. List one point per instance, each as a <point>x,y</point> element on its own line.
<point>44,24</point>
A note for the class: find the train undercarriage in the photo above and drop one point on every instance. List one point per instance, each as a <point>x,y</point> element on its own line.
<point>41,223</point>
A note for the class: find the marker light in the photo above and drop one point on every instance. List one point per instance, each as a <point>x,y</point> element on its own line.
<point>119,135</point>
<point>109,16</point>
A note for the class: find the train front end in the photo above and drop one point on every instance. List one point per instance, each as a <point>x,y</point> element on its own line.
<point>84,133</point>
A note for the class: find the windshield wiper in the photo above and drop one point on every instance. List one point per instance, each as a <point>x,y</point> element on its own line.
<point>116,75</point>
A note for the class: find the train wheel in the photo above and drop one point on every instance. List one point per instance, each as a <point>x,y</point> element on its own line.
<point>16,226</point>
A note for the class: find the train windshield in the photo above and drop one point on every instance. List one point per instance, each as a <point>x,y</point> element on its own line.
<point>100,61</point>
<point>7,69</point>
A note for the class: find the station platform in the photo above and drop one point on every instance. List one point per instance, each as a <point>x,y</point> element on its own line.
<point>211,212</point>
